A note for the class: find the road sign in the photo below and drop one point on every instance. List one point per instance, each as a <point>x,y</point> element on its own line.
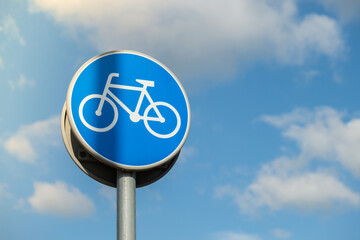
<point>128,110</point>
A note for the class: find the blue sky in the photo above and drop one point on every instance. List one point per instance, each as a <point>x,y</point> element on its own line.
<point>273,151</point>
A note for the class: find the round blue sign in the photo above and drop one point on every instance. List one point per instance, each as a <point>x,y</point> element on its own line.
<point>128,110</point>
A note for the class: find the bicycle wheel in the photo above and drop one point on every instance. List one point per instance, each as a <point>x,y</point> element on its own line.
<point>162,125</point>
<point>96,119</point>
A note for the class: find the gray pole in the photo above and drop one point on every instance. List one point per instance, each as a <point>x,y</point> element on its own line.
<point>126,205</point>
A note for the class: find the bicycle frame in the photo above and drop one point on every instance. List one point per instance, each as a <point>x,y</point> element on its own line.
<point>134,116</point>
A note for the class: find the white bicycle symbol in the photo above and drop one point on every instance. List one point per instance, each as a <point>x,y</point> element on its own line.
<point>134,116</point>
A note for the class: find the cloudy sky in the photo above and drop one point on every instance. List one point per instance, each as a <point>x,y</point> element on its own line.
<point>274,146</point>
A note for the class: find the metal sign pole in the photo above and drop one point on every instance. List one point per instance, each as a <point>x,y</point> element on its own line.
<point>126,205</point>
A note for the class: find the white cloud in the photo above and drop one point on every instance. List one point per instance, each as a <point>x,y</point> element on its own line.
<point>298,116</point>
<point>1,63</point>
<point>307,191</point>
<point>234,236</point>
<point>292,182</point>
<point>21,147</point>
<point>204,37</point>
<point>303,190</point>
<point>30,139</point>
<point>61,200</point>
<point>281,233</point>
<point>21,83</point>
<point>10,32</point>
<point>323,134</point>
<point>346,9</point>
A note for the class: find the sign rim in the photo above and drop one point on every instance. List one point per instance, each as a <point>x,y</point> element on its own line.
<point>95,153</point>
